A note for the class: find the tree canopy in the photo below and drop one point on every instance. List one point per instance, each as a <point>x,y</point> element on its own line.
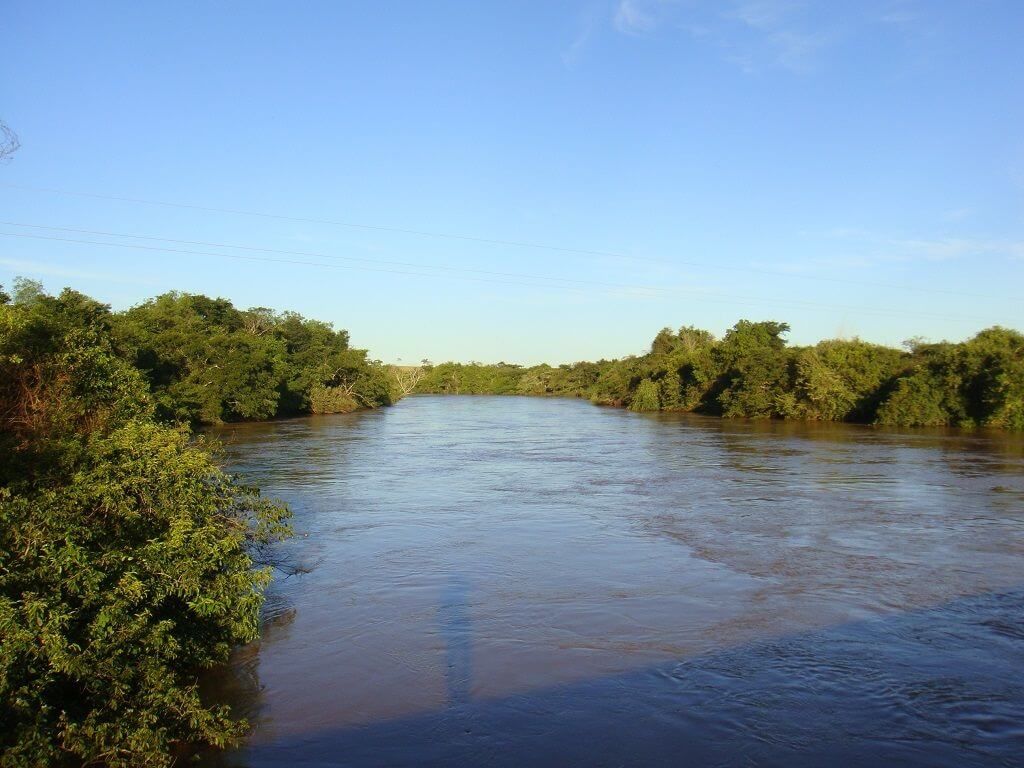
<point>752,372</point>
<point>208,362</point>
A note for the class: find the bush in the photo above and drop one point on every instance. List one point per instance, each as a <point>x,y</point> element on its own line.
<point>331,400</point>
<point>645,398</point>
<point>916,402</point>
<point>126,555</point>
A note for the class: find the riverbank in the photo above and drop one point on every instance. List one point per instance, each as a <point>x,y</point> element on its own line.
<point>752,373</point>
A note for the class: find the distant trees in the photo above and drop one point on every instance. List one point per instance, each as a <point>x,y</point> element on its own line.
<point>127,557</point>
<point>471,379</point>
<point>753,373</point>
<point>207,362</point>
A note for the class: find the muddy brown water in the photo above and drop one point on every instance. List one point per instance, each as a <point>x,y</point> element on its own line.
<point>523,581</point>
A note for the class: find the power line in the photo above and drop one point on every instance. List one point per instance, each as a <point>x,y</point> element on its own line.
<point>260,258</point>
<point>336,222</point>
<point>690,293</point>
<point>317,255</point>
<point>495,241</point>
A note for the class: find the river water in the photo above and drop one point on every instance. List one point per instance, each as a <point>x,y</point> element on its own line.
<point>541,582</point>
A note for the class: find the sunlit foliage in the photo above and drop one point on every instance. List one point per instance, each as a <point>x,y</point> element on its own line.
<point>127,557</point>
<point>753,373</point>
<point>645,397</point>
<point>208,362</point>
<point>977,383</point>
<point>472,379</point>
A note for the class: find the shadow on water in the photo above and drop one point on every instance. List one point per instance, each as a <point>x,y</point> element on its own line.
<point>936,687</point>
<point>238,684</point>
<point>456,629</point>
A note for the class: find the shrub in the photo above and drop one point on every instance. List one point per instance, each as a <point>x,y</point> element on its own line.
<point>915,402</point>
<point>331,400</point>
<point>645,398</point>
<point>126,555</point>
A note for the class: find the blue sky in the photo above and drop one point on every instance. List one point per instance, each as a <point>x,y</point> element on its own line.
<point>854,169</point>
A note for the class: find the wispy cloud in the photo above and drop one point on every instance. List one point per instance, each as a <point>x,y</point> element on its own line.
<point>797,51</point>
<point>903,14</point>
<point>761,14</point>
<point>751,33</point>
<point>958,214</point>
<point>760,35</point>
<point>572,54</point>
<point>949,248</point>
<point>876,248</point>
<point>634,17</point>
<point>774,34</point>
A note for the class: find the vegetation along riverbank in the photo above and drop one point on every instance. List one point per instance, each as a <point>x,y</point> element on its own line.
<point>129,561</point>
<point>751,372</point>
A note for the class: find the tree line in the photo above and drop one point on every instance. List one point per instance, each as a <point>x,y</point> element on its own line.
<point>208,362</point>
<point>752,372</point>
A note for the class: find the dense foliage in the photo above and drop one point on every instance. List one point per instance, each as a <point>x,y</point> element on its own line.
<point>208,362</point>
<point>127,557</point>
<point>752,372</point>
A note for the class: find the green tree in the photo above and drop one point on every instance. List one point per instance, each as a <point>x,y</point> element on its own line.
<point>843,380</point>
<point>208,362</point>
<point>317,357</point>
<point>645,398</point>
<point>126,555</point>
<point>670,389</point>
<point>991,368</point>
<point>916,401</point>
<point>202,365</point>
<point>755,370</point>
<point>979,382</point>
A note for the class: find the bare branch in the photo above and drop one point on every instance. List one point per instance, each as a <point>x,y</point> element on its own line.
<point>9,142</point>
<point>406,377</point>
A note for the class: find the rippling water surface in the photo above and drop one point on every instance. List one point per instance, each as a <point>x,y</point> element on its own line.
<point>520,581</point>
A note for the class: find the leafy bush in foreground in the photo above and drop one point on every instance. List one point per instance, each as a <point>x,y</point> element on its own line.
<point>126,555</point>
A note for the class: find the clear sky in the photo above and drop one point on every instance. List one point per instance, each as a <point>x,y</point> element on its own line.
<point>852,168</point>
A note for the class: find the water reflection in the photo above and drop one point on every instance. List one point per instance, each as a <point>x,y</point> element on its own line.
<point>479,556</point>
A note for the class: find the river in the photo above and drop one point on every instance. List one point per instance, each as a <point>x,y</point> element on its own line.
<point>542,582</point>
